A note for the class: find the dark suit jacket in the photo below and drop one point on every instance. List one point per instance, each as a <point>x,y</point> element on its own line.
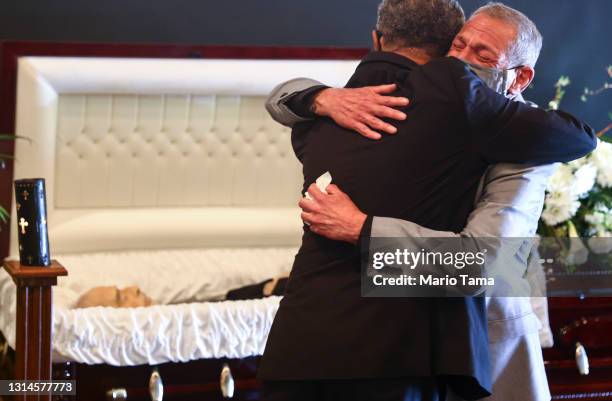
<point>427,173</point>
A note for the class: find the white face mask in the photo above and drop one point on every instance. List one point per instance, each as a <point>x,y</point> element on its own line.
<point>498,80</point>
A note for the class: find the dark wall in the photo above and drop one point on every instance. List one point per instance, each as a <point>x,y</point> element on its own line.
<point>577,33</point>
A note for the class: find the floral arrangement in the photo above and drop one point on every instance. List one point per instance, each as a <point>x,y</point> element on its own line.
<point>579,194</point>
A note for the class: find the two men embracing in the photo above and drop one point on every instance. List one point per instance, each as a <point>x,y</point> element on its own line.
<point>454,151</point>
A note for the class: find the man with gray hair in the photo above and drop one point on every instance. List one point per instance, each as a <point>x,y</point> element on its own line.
<point>505,206</point>
<point>364,109</point>
<point>526,46</point>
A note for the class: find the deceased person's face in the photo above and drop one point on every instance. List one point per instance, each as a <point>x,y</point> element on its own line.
<point>129,297</point>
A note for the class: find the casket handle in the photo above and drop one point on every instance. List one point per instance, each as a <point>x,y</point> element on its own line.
<point>116,394</point>
<point>582,360</point>
<point>156,386</point>
<point>227,382</point>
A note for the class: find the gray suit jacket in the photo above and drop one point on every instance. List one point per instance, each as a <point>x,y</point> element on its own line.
<point>508,204</point>
<point>276,101</point>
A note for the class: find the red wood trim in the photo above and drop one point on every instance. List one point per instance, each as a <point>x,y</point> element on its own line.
<point>34,315</point>
<point>573,303</point>
<point>592,332</point>
<point>198,379</point>
<point>568,384</point>
<point>585,396</point>
<point>46,333</point>
<point>33,335</point>
<point>604,362</point>
<point>21,332</point>
<point>176,389</point>
<point>10,51</point>
<point>34,276</point>
<point>582,321</point>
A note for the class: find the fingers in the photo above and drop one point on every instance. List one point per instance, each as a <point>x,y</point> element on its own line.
<point>332,189</point>
<point>388,112</point>
<point>393,101</point>
<point>315,192</point>
<point>364,130</point>
<point>310,219</point>
<point>308,205</point>
<point>377,124</point>
<point>388,88</point>
<point>363,110</point>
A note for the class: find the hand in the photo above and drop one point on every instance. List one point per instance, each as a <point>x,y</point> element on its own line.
<point>359,109</point>
<point>332,215</point>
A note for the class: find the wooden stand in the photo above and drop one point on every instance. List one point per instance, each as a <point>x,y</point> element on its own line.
<point>34,320</point>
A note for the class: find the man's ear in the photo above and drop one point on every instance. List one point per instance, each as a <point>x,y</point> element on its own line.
<point>375,40</point>
<point>524,76</point>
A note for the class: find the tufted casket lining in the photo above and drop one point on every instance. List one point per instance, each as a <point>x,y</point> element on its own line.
<point>137,156</point>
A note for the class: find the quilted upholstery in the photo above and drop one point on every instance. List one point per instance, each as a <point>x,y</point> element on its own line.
<point>159,154</point>
<point>164,151</point>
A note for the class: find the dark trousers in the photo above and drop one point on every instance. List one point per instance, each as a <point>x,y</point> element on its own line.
<point>403,389</point>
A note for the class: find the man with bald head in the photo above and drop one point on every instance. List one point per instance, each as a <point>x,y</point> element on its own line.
<point>502,45</point>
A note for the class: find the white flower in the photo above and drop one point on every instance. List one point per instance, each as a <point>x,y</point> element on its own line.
<point>561,180</point>
<point>594,219</point>
<point>599,218</point>
<point>602,159</point>
<point>584,179</point>
<point>578,183</point>
<point>559,207</point>
<point>575,180</point>
<point>576,164</point>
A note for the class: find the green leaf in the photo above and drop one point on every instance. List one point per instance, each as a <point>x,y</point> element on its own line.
<point>4,215</point>
<point>9,137</point>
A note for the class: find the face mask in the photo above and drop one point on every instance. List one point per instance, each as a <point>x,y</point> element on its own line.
<point>498,80</point>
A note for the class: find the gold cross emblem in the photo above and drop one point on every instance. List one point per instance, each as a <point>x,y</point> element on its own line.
<point>25,194</point>
<point>23,224</point>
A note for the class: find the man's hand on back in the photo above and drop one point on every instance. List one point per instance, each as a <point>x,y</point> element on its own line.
<point>361,109</point>
<point>332,215</point>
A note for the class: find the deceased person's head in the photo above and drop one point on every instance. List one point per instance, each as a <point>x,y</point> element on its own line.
<point>128,297</point>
